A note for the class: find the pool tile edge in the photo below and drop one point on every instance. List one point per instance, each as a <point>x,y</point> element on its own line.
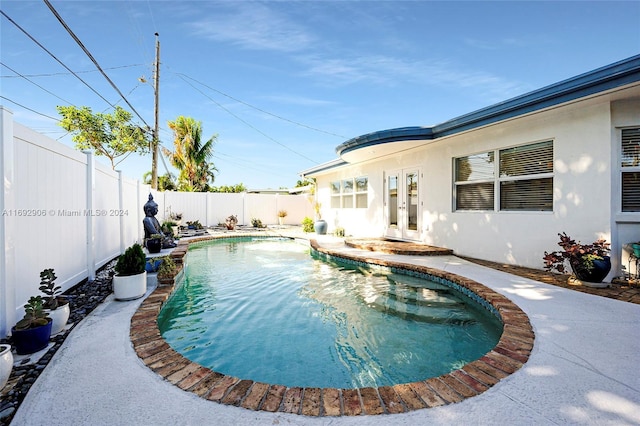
<point>510,353</point>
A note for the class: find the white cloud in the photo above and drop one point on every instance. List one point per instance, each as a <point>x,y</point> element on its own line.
<point>391,71</point>
<point>252,26</point>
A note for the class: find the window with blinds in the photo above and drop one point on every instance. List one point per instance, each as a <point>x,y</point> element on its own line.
<point>521,177</point>
<point>630,164</point>
<point>526,177</point>
<point>475,181</point>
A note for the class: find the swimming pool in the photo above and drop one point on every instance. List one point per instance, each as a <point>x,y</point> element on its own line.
<point>326,323</point>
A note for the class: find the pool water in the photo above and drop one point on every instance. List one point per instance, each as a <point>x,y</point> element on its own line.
<point>268,311</point>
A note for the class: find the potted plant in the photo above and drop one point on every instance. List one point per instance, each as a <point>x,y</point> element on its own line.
<point>6,364</point>
<point>231,222</point>
<point>590,263</point>
<point>320,225</point>
<point>281,215</point>
<point>152,264</point>
<point>176,219</point>
<point>130,280</point>
<point>154,243</point>
<point>257,223</point>
<point>56,306</point>
<point>168,228</point>
<point>194,224</point>
<point>33,331</point>
<point>166,271</point>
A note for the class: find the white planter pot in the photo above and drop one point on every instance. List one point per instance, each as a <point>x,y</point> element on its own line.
<point>281,220</point>
<point>130,287</point>
<point>60,317</point>
<point>6,364</point>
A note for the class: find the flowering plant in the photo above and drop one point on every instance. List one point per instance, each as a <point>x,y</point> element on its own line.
<point>579,256</point>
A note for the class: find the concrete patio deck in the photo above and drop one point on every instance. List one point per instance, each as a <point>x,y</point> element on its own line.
<point>582,370</point>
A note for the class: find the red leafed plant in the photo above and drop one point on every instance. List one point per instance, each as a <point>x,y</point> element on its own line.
<point>579,256</point>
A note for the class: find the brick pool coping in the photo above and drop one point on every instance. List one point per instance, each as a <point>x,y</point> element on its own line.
<point>508,356</point>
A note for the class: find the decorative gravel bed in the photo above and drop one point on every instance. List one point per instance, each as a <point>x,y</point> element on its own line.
<point>84,298</point>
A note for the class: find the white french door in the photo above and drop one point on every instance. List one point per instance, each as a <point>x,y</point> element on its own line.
<point>402,188</point>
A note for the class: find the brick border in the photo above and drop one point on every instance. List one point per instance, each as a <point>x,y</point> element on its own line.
<point>509,355</point>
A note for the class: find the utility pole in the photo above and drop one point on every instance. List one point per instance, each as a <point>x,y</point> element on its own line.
<point>155,143</point>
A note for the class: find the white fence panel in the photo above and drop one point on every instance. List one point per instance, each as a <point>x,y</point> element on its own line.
<point>260,206</point>
<point>134,195</point>
<point>192,206</point>
<point>104,213</point>
<point>61,210</point>
<point>50,202</point>
<point>297,207</point>
<point>221,205</point>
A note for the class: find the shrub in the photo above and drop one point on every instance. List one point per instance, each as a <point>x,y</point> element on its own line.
<point>307,224</point>
<point>132,262</point>
<point>167,268</point>
<point>257,223</point>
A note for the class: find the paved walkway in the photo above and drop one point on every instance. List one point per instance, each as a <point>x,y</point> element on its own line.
<point>583,368</point>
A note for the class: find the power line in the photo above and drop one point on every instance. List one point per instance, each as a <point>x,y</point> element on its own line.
<point>55,74</point>
<point>86,51</point>
<point>34,83</point>
<point>54,57</point>
<point>261,110</point>
<point>245,122</point>
<point>27,108</point>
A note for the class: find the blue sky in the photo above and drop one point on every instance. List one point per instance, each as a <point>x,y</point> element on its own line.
<point>282,83</point>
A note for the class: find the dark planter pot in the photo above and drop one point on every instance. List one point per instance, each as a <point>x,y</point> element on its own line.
<point>599,271</point>
<point>153,264</point>
<point>154,245</point>
<point>320,227</point>
<point>31,340</point>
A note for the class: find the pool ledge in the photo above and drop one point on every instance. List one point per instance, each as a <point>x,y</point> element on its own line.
<point>507,357</point>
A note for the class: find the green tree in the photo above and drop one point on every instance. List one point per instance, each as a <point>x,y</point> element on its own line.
<point>230,188</point>
<point>110,135</point>
<point>191,156</point>
<point>305,182</point>
<point>165,182</point>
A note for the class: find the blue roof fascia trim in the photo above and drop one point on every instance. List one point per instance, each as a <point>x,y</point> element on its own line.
<point>323,167</point>
<point>601,79</point>
<point>385,136</point>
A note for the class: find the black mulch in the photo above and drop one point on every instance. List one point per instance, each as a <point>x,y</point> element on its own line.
<point>83,299</point>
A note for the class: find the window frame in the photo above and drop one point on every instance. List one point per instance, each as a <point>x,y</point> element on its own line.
<point>348,193</point>
<point>498,180</point>
<point>625,169</point>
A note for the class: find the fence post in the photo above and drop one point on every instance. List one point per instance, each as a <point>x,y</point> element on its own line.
<point>7,204</point>
<point>121,208</point>
<point>90,183</point>
<point>139,221</point>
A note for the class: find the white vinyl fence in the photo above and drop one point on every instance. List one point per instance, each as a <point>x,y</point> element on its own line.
<point>60,209</point>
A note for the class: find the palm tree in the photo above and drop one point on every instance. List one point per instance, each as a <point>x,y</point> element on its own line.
<point>191,156</point>
<point>165,182</point>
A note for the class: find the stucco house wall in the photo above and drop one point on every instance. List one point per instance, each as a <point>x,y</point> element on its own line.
<point>586,184</point>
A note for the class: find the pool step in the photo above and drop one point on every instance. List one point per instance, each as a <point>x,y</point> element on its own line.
<point>430,302</point>
<point>434,314</point>
<point>422,296</point>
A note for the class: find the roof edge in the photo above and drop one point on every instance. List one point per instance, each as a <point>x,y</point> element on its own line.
<point>599,80</point>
